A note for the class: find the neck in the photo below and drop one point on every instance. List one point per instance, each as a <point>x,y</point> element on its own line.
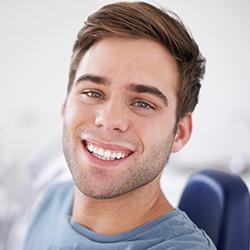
<point>121,214</point>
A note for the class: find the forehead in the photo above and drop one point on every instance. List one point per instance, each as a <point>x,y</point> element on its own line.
<point>129,60</point>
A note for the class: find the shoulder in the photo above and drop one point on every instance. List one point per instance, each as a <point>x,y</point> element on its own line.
<point>52,213</point>
<point>59,191</point>
<point>57,199</point>
<point>179,231</point>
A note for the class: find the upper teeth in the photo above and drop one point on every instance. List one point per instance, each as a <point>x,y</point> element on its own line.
<point>105,154</point>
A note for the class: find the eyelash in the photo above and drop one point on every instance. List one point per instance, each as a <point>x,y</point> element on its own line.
<point>143,105</point>
<point>93,94</point>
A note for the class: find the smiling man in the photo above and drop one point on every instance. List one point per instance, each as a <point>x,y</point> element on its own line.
<point>134,82</point>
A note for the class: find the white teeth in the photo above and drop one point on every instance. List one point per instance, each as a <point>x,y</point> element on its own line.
<point>95,150</point>
<point>107,154</point>
<point>104,154</point>
<point>91,148</point>
<point>113,155</point>
<point>100,152</point>
<point>119,155</point>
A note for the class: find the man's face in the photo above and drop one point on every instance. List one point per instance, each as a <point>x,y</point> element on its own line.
<point>119,118</point>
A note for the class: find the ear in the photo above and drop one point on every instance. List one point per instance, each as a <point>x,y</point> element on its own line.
<point>183,133</point>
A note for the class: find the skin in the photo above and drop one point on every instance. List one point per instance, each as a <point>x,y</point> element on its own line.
<point>123,101</point>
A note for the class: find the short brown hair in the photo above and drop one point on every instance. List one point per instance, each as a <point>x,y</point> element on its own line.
<point>142,20</point>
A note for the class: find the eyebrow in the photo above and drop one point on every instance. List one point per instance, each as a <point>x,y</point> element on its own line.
<point>92,78</point>
<point>140,88</point>
<point>134,87</point>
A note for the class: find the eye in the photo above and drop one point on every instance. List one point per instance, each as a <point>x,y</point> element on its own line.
<point>93,94</point>
<point>143,105</point>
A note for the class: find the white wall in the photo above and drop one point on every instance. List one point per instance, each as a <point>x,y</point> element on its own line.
<point>35,48</point>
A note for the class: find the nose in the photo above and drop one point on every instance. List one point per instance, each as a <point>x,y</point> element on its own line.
<point>112,116</point>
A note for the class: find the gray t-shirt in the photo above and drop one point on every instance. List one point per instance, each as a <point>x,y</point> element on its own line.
<point>53,229</point>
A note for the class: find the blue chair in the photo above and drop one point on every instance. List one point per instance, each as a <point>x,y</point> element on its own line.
<point>219,203</point>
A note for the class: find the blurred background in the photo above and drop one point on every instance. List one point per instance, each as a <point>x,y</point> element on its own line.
<point>35,48</point>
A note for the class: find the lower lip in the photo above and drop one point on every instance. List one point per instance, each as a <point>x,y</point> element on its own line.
<point>100,162</point>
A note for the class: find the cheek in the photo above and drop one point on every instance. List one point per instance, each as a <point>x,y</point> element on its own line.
<point>76,114</point>
<point>149,132</point>
<point>153,134</point>
<point>158,128</point>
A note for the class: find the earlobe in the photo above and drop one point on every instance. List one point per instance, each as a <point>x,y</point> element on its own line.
<point>183,133</point>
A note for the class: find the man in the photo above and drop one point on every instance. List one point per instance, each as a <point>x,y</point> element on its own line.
<point>134,82</point>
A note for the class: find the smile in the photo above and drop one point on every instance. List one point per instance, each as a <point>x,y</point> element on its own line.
<point>105,154</point>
